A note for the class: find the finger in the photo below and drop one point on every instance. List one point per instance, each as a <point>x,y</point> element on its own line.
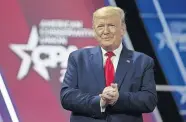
<point>111,94</point>
<point>106,90</point>
<point>107,97</point>
<point>114,85</point>
<point>110,91</point>
<point>109,88</point>
<point>102,97</point>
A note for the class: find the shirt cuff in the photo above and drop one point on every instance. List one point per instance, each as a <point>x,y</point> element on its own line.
<point>102,107</point>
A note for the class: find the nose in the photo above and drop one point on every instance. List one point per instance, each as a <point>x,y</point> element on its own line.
<point>106,30</point>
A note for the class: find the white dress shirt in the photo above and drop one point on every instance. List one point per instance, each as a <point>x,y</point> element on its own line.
<point>115,60</point>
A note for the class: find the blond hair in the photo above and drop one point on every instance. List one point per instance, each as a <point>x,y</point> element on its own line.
<point>109,10</point>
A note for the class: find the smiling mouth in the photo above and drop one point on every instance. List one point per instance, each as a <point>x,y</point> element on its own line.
<point>106,38</point>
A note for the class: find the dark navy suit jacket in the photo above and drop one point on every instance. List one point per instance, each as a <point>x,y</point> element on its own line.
<point>84,81</point>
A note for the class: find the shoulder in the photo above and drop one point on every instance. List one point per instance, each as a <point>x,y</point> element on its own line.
<point>141,56</point>
<point>142,59</point>
<point>82,52</point>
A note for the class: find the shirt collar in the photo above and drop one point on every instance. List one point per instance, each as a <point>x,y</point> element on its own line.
<point>117,51</point>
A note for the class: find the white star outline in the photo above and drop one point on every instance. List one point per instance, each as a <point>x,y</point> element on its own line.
<point>20,49</point>
<point>183,95</point>
<point>32,46</point>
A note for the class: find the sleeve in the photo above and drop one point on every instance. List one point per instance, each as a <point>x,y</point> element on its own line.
<point>143,101</point>
<point>74,99</point>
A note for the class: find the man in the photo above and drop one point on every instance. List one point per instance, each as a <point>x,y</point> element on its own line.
<point>108,83</point>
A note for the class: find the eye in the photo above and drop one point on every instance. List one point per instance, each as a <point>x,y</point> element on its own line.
<point>111,25</point>
<point>100,26</point>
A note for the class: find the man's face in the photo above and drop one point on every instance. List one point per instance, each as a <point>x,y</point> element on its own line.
<point>109,31</point>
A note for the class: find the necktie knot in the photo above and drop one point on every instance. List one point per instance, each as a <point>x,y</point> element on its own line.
<point>109,54</point>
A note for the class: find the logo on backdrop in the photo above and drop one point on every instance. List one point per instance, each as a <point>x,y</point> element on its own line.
<point>177,44</point>
<point>48,47</point>
<point>178,31</point>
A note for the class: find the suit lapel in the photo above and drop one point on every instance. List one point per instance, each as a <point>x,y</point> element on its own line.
<point>96,63</point>
<point>124,64</point>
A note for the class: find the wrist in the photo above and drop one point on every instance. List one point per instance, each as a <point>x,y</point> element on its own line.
<point>102,103</point>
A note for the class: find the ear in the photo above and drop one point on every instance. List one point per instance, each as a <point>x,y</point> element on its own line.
<point>123,29</point>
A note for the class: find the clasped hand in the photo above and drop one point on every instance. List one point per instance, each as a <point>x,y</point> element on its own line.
<point>109,95</point>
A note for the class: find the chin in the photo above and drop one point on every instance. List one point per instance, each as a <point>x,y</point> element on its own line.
<point>107,46</point>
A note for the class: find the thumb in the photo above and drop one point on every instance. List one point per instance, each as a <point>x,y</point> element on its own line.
<point>114,85</point>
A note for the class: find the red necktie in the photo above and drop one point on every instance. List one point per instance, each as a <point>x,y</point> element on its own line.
<point>109,69</point>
